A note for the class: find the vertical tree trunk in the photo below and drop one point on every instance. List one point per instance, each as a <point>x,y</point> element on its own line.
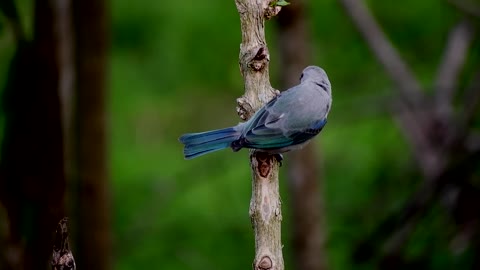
<point>92,200</point>
<point>32,183</point>
<point>265,209</point>
<point>303,174</point>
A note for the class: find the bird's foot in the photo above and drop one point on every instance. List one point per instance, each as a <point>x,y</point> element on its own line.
<point>279,158</point>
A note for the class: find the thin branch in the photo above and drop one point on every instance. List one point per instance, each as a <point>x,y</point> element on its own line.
<point>458,45</point>
<point>421,147</point>
<point>265,206</point>
<point>62,257</point>
<point>414,117</point>
<point>396,68</point>
<point>466,6</point>
<point>454,175</point>
<point>394,231</point>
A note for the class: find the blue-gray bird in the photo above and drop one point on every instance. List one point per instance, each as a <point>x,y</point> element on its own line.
<point>285,123</point>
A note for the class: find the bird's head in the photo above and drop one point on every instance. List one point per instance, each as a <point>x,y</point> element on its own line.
<point>317,76</point>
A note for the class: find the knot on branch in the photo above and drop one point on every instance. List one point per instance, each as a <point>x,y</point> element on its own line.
<point>264,163</point>
<point>264,264</point>
<point>260,59</point>
<point>244,109</point>
<point>271,9</point>
<point>256,58</point>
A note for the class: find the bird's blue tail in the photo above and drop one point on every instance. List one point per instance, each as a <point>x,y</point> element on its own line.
<point>198,144</point>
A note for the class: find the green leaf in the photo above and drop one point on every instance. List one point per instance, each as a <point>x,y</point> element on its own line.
<point>282,3</point>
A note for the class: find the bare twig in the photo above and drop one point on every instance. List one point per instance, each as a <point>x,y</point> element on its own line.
<point>466,6</point>
<point>398,226</point>
<point>437,141</point>
<point>62,257</point>
<point>412,111</point>
<point>415,134</point>
<point>411,119</point>
<point>396,68</point>
<point>265,210</point>
<point>459,42</point>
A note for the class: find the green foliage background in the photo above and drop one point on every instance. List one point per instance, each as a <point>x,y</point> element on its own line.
<point>174,69</point>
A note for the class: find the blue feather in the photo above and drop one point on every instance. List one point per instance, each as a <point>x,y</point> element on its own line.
<point>198,144</point>
<point>318,126</point>
<point>263,137</point>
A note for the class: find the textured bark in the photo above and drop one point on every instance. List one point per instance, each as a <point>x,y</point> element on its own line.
<point>90,165</point>
<point>303,173</point>
<point>265,205</point>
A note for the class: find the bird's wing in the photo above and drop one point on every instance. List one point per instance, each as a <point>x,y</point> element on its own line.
<point>272,135</point>
<point>265,115</point>
<point>264,130</point>
<point>309,132</point>
<point>316,127</point>
<point>280,123</point>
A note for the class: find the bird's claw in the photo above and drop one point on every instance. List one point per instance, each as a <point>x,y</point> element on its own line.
<point>279,158</point>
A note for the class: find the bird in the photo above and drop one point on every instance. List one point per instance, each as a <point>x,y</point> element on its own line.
<point>287,122</point>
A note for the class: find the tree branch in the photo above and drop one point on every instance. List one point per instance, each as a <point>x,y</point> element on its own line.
<point>89,171</point>
<point>443,160</point>
<point>397,69</point>
<point>467,7</point>
<point>459,42</point>
<point>415,134</point>
<point>391,234</point>
<point>62,257</point>
<point>413,117</point>
<point>265,210</point>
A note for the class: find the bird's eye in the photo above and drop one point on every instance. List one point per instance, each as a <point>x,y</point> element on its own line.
<point>301,77</point>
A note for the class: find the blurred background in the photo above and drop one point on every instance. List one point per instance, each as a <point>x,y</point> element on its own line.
<point>95,95</point>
